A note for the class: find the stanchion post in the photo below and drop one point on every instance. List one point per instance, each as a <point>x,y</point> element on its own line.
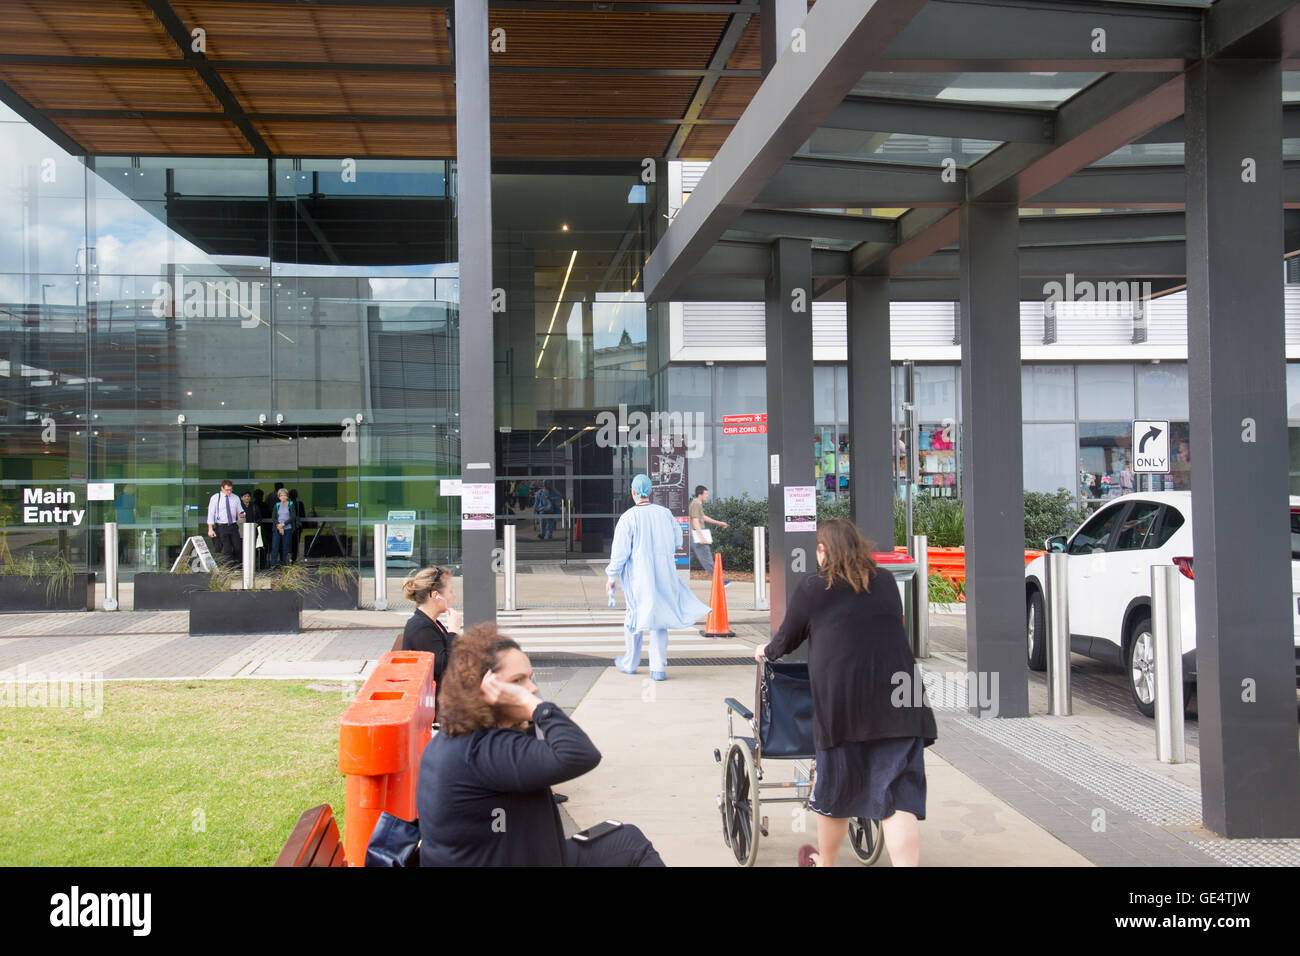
<point>1167,632</point>
<point>248,531</point>
<point>760,569</point>
<point>110,566</point>
<point>381,567</point>
<point>508,540</point>
<point>919,545</point>
<point>1058,635</point>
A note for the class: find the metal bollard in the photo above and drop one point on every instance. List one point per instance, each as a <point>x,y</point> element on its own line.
<point>249,531</point>
<point>920,548</point>
<point>381,567</point>
<point>110,566</point>
<point>1058,635</point>
<point>508,540</point>
<point>1167,632</point>
<point>760,569</point>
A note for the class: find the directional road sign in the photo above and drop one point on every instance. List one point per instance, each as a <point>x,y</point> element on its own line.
<point>1150,447</point>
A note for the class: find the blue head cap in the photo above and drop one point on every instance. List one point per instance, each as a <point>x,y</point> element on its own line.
<point>641,486</point>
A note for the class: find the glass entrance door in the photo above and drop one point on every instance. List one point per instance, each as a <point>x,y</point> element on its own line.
<point>314,463</point>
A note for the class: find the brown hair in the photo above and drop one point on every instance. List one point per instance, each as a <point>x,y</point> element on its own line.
<point>420,584</point>
<point>227,483</point>
<point>848,555</point>
<point>462,708</point>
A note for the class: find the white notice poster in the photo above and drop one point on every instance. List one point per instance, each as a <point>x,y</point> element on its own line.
<point>801,508</point>
<point>478,506</point>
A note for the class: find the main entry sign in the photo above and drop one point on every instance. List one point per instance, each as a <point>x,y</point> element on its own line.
<point>1150,447</point>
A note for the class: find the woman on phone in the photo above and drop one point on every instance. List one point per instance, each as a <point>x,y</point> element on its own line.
<point>869,746</point>
<point>484,796</point>
<point>433,594</point>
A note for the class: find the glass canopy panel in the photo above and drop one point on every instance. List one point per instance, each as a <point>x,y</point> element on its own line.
<point>1144,154</point>
<point>1015,89</point>
<point>895,147</point>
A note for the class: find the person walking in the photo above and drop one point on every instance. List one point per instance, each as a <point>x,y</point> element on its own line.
<point>643,562</point>
<point>702,537</point>
<point>869,739</point>
<point>546,504</point>
<point>284,520</point>
<point>224,513</point>
<point>432,592</point>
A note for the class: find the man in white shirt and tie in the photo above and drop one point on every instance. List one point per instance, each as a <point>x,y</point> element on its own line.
<point>224,512</point>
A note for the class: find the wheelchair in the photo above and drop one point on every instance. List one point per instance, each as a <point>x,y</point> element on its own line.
<point>782,730</point>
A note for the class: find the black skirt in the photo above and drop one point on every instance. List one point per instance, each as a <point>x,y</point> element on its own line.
<point>870,779</point>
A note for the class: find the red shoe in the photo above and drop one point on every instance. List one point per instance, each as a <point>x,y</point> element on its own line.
<point>805,855</point>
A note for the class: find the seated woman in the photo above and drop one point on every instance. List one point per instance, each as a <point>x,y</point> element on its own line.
<point>484,796</point>
<point>432,592</point>
<point>870,747</point>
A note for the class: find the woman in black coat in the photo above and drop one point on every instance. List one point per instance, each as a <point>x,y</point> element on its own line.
<point>484,795</point>
<point>870,723</point>
<point>433,594</point>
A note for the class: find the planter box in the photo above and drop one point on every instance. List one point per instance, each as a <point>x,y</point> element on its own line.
<point>29,594</point>
<point>245,612</point>
<point>330,597</point>
<point>160,591</point>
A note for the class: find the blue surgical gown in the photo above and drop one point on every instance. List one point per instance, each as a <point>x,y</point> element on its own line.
<point>643,561</point>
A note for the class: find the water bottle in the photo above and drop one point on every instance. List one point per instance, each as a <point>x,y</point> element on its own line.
<point>611,597</point>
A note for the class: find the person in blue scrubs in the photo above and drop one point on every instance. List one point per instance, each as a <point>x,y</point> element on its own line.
<point>643,563</point>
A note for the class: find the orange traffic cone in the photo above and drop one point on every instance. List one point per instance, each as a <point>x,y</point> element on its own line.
<point>716,624</point>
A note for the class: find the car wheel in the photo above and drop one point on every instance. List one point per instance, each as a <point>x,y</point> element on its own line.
<point>1036,631</point>
<point>1142,666</point>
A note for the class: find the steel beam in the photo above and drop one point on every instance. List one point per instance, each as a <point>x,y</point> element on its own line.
<point>1245,657</point>
<point>799,93</point>
<point>825,183</point>
<point>815,226</point>
<point>992,475</point>
<point>939,118</point>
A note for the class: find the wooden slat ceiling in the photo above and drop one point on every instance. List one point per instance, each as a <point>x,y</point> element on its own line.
<point>369,79</point>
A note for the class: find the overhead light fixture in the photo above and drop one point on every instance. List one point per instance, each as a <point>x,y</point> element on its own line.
<point>564,227</point>
<point>564,285</point>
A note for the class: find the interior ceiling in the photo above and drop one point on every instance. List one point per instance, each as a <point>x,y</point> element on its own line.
<point>369,79</point>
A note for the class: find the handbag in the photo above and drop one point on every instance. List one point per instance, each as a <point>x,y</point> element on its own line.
<point>785,725</point>
<point>394,842</point>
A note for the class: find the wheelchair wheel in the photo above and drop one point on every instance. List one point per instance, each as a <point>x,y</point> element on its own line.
<point>866,839</point>
<point>740,803</point>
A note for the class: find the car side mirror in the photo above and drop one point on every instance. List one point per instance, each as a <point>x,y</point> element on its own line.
<point>1055,543</point>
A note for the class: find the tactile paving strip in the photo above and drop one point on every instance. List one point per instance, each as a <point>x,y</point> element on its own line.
<point>1147,796</point>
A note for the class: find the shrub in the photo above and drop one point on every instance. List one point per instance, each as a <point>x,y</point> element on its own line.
<point>736,541</point>
<point>1048,514</point>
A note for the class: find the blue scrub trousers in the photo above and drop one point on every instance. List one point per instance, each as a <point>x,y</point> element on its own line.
<point>631,660</point>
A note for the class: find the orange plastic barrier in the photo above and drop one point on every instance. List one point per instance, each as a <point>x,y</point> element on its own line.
<point>716,624</point>
<point>381,737</point>
<point>951,562</point>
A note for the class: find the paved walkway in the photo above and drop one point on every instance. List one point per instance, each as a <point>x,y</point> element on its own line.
<point>1079,790</point>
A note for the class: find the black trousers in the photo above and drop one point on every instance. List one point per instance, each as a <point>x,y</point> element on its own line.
<point>229,549</point>
<point>626,846</point>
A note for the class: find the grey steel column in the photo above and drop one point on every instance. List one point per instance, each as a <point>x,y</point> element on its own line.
<point>789,414</point>
<point>871,438</point>
<point>110,566</point>
<point>381,567</point>
<point>776,19</point>
<point>1167,632</point>
<point>1056,607</point>
<point>474,254</point>
<point>1245,657</point>
<point>992,464</point>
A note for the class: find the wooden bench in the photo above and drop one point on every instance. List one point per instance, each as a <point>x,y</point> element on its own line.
<point>314,841</point>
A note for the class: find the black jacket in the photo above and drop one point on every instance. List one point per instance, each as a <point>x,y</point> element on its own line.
<point>484,798</point>
<point>858,659</point>
<point>423,633</point>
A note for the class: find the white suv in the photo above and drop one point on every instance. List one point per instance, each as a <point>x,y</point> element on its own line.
<point>1109,567</point>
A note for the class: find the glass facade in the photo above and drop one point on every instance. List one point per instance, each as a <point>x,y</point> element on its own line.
<point>172,322</point>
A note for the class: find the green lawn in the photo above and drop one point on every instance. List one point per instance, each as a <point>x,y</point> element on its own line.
<point>200,773</point>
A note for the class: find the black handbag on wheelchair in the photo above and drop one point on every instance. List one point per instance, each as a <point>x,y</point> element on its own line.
<point>785,714</point>
<point>394,842</point>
